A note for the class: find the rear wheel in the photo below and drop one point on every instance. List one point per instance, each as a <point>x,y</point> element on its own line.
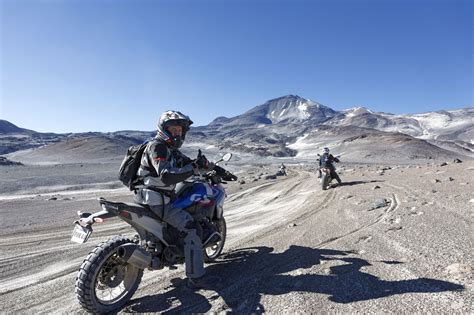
<point>213,251</point>
<point>104,283</point>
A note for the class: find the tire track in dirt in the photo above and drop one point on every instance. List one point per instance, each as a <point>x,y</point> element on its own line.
<point>394,205</point>
<point>311,206</point>
<point>285,196</point>
<point>33,267</point>
<point>26,238</point>
<point>265,269</point>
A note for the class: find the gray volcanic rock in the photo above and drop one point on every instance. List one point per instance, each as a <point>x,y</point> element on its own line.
<point>7,162</point>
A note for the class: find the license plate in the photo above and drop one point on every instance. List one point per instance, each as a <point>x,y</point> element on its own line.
<point>80,234</point>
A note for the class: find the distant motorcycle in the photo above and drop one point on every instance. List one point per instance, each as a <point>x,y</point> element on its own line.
<point>111,273</point>
<point>326,176</point>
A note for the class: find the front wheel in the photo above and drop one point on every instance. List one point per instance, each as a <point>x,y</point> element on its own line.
<point>212,252</point>
<point>324,181</point>
<point>104,283</point>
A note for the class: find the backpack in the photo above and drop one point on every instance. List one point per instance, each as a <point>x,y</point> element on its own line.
<point>130,165</point>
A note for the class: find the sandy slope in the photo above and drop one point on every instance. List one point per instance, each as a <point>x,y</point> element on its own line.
<point>291,247</point>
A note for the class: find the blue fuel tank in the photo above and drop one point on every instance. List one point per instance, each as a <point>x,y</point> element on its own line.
<point>198,193</point>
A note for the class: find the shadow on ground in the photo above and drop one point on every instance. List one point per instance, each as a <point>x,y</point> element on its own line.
<point>357,182</point>
<point>249,273</point>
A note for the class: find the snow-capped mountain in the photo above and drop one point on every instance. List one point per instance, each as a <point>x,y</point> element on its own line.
<point>294,126</point>
<point>286,109</point>
<point>439,125</point>
<point>447,125</point>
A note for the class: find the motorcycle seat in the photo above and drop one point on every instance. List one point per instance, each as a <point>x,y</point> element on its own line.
<point>129,206</point>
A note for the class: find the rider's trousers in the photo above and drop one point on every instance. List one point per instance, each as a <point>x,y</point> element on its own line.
<point>184,222</point>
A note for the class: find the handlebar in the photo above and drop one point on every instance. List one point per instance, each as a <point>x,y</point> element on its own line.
<point>218,175</point>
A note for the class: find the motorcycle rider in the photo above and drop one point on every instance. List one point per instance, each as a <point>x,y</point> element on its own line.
<point>282,170</point>
<point>327,160</point>
<point>162,167</point>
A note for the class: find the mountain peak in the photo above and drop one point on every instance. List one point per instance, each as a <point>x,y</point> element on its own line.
<point>296,108</point>
<point>287,97</point>
<point>357,111</point>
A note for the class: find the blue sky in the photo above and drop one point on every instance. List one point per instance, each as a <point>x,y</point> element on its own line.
<point>103,65</point>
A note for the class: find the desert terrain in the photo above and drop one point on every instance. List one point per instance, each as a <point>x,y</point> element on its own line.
<point>392,238</point>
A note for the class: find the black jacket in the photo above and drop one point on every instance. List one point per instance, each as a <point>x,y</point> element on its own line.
<point>162,167</point>
<point>327,160</point>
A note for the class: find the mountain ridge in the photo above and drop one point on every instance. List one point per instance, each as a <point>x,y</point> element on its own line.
<point>275,128</point>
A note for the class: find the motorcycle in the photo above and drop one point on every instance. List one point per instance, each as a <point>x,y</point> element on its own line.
<point>111,273</point>
<point>326,177</point>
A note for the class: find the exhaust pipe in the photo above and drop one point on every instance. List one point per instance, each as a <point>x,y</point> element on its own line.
<point>137,256</point>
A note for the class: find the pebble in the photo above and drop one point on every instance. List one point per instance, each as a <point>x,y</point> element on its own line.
<point>457,305</point>
<point>459,270</point>
<point>380,203</point>
<point>395,228</point>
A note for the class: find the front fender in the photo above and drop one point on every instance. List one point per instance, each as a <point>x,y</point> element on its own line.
<point>218,211</point>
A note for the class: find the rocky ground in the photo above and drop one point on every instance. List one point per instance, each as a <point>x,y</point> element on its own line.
<point>391,238</point>
<point>6,162</point>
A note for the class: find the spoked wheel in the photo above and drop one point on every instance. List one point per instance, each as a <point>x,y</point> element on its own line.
<point>213,251</point>
<point>104,283</point>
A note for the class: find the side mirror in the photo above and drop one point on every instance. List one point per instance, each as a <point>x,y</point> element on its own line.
<point>227,157</point>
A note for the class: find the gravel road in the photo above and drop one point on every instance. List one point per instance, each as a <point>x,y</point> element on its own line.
<point>389,239</point>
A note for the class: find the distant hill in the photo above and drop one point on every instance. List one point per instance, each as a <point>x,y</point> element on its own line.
<point>7,127</point>
<point>76,149</point>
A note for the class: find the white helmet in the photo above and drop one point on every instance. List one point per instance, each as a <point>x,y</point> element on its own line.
<point>326,150</point>
<point>170,118</point>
